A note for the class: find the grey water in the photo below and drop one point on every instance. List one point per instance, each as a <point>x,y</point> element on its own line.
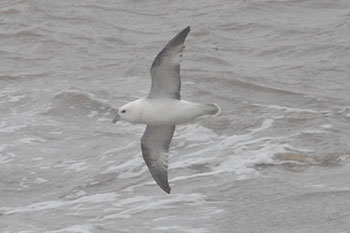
<point>276,160</point>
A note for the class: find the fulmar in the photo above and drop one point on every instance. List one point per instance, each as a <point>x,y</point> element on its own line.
<point>163,109</point>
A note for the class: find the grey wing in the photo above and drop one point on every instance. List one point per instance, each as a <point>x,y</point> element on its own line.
<point>165,70</point>
<point>155,146</point>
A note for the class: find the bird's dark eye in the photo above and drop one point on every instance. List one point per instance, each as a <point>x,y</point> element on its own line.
<point>123,111</point>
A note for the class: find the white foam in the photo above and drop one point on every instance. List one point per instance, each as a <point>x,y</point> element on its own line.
<point>96,198</point>
<point>73,165</point>
<point>265,125</point>
<point>287,109</point>
<point>179,228</point>
<point>85,228</point>
<point>53,204</point>
<point>37,207</point>
<point>111,153</point>
<point>37,158</point>
<point>39,180</point>
<point>56,132</point>
<point>195,132</point>
<point>237,154</point>
<point>104,119</point>
<point>31,140</point>
<point>93,114</point>
<point>127,169</point>
<point>2,147</point>
<point>137,204</point>
<point>314,131</point>
<point>6,157</point>
<point>16,98</point>
<point>327,126</point>
<point>12,128</point>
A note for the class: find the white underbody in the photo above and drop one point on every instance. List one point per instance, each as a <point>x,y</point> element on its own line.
<point>163,111</point>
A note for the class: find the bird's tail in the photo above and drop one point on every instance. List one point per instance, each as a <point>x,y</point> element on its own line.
<point>213,109</point>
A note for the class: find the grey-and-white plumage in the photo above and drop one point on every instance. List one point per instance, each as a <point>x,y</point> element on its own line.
<point>155,146</point>
<point>162,109</point>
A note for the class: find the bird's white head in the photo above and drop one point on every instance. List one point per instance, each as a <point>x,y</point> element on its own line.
<point>128,112</point>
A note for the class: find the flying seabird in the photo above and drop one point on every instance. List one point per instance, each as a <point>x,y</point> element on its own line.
<point>163,109</point>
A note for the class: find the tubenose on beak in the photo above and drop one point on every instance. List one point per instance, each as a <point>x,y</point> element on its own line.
<point>116,118</point>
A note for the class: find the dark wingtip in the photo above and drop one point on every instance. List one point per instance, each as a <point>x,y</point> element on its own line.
<point>185,31</point>
<point>188,28</point>
<point>167,189</point>
<point>179,38</point>
<point>163,184</point>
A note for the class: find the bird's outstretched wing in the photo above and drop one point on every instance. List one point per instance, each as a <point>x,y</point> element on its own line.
<point>155,146</point>
<point>165,70</point>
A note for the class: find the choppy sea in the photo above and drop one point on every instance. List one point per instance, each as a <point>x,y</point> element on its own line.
<point>277,160</point>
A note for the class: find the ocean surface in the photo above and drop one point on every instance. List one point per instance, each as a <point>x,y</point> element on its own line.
<point>277,160</point>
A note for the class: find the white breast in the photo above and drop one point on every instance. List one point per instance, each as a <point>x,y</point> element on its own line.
<point>168,111</point>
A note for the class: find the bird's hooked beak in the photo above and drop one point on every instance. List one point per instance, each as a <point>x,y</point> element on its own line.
<point>116,118</point>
